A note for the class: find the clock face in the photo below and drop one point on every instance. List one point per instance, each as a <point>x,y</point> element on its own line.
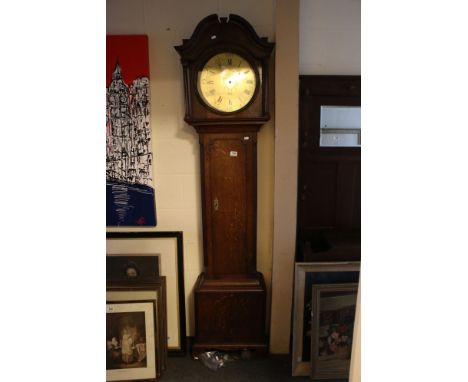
<point>227,82</point>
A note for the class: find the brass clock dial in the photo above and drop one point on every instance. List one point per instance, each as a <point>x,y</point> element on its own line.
<point>227,82</point>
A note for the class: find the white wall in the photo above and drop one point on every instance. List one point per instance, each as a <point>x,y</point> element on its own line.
<point>330,37</point>
<point>175,144</point>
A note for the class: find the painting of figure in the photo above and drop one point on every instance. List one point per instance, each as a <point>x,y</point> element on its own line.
<point>126,344</point>
<point>131,346</point>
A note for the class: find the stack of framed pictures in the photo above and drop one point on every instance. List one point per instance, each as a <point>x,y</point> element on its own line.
<point>131,349</point>
<point>324,309</point>
<point>145,254</point>
<point>136,332</point>
<point>145,303</point>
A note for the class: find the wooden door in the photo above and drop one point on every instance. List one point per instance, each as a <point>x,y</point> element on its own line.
<point>329,178</point>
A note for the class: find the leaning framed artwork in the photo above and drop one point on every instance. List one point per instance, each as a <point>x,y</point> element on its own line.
<point>130,196</point>
<point>333,313</point>
<point>131,347</point>
<point>306,276</point>
<point>136,292</point>
<point>167,247</point>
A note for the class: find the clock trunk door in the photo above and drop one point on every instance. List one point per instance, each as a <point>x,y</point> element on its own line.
<point>230,204</point>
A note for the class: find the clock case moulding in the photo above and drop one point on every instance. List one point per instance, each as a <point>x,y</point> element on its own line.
<point>230,295</point>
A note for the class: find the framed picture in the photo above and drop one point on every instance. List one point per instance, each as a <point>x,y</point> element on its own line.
<point>132,267</point>
<point>306,276</point>
<point>129,157</point>
<point>168,247</point>
<point>333,313</point>
<point>138,292</point>
<point>131,345</point>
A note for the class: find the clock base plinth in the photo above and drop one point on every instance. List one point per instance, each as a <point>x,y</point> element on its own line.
<point>230,314</point>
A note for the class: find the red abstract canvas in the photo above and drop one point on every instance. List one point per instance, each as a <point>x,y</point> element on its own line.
<point>131,52</point>
<point>129,183</point>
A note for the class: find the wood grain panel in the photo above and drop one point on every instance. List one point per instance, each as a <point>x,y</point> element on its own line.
<point>329,178</point>
<point>228,213</point>
<point>229,203</point>
<point>318,196</point>
<point>348,198</point>
<point>230,311</point>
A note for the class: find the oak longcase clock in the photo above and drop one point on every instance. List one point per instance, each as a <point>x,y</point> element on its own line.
<point>226,75</point>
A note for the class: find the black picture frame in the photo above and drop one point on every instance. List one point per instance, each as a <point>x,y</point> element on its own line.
<point>178,236</point>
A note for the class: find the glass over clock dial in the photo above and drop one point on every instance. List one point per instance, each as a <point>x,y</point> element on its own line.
<point>227,82</point>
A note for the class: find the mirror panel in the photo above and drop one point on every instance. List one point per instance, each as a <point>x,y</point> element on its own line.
<point>340,126</point>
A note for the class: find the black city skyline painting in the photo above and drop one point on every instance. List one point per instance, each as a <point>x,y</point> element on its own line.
<point>130,193</point>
